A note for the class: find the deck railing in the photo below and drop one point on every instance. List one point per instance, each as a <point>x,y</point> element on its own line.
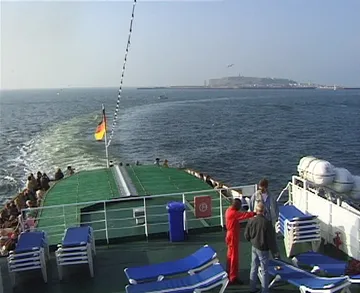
<point>116,218</point>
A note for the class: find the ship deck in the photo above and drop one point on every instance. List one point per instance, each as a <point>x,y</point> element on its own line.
<point>110,262</point>
<point>95,197</point>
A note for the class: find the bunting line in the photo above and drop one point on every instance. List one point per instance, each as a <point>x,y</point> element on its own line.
<point>122,74</point>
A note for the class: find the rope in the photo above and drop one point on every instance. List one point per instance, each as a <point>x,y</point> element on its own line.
<point>122,74</point>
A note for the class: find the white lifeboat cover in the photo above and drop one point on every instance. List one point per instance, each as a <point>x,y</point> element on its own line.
<point>355,192</point>
<point>304,164</point>
<point>343,181</point>
<point>320,172</point>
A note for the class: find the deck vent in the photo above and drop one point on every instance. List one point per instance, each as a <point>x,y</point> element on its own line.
<point>139,215</point>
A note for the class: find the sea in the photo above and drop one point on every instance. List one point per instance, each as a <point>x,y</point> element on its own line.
<point>235,136</point>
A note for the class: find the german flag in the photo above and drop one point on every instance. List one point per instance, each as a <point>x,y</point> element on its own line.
<point>101,128</point>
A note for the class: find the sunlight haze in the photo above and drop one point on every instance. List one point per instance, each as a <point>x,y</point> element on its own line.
<point>81,44</point>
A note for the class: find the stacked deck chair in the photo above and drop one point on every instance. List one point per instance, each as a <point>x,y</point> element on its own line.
<point>77,247</point>
<point>202,272</point>
<point>31,253</point>
<point>297,227</point>
<point>305,281</point>
<point>323,263</point>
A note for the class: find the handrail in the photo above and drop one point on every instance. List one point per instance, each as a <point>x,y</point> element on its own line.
<point>108,221</point>
<point>87,203</point>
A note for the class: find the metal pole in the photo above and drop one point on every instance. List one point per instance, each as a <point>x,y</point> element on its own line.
<point>106,145</point>
<point>184,216</point>
<point>145,215</point>
<point>106,225</point>
<point>221,210</point>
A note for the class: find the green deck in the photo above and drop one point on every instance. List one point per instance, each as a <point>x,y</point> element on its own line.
<point>151,180</point>
<point>84,186</point>
<point>117,217</point>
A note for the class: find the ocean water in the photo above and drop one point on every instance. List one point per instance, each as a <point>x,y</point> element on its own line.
<point>236,136</point>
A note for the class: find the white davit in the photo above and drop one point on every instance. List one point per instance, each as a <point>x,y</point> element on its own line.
<point>304,165</point>
<point>343,181</point>
<point>320,172</point>
<point>355,192</point>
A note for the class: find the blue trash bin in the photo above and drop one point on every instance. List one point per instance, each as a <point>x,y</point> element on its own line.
<point>176,221</point>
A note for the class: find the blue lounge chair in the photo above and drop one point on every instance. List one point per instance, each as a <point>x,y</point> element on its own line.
<point>292,213</point>
<point>199,260</point>
<point>205,280</point>
<point>305,281</point>
<point>31,253</point>
<point>297,227</point>
<point>320,262</point>
<point>77,247</point>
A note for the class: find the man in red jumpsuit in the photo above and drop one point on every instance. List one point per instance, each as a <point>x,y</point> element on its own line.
<point>232,216</point>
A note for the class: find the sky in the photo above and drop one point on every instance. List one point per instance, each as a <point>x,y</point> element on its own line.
<point>81,44</point>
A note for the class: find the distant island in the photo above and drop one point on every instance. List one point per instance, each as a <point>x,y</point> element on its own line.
<point>243,82</point>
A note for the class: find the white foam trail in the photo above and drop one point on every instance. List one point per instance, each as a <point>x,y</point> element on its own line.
<point>68,143</point>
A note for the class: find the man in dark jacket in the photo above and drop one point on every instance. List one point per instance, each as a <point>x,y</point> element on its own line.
<point>260,232</point>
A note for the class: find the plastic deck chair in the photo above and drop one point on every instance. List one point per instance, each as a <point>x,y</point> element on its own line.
<point>31,253</point>
<point>77,247</point>
<point>199,260</point>
<point>305,281</point>
<point>210,278</point>
<point>324,263</point>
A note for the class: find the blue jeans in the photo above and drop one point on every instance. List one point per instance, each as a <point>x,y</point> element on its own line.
<point>259,258</point>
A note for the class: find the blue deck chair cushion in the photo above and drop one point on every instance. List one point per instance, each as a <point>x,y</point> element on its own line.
<point>29,241</point>
<point>205,278</point>
<point>326,264</point>
<point>292,213</point>
<point>355,279</point>
<point>298,277</point>
<point>201,257</point>
<point>76,236</point>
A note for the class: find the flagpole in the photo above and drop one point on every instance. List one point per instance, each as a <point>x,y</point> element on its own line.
<point>106,145</point>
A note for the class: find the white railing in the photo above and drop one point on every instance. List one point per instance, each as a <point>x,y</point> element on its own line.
<point>115,219</point>
<point>334,217</point>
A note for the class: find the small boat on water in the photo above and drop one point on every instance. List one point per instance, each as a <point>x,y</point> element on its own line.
<point>162,97</point>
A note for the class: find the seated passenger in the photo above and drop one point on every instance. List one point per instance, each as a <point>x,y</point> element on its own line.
<point>20,202</point>
<point>166,163</point>
<point>30,184</point>
<point>59,175</point>
<point>40,194</point>
<point>8,242</point>
<point>70,171</point>
<point>30,213</point>
<point>38,177</point>
<point>34,182</point>
<point>44,181</point>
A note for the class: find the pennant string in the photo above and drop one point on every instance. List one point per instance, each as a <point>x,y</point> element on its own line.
<point>122,74</point>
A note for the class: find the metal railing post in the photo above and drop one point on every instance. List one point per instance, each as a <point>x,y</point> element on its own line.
<point>185,218</point>
<point>221,210</point>
<point>146,222</point>
<point>106,224</point>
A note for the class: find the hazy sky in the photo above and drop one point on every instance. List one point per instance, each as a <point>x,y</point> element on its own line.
<point>57,44</point>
